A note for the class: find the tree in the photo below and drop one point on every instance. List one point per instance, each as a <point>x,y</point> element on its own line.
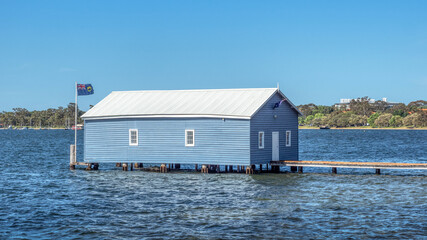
<point>396,121</point>
<point>408,120</point>
<point>317,120</point>
<point>361,106</point>
<point>322,109</point>
<point>417,104</point>
<point>307,109</point>
<point>339,120</point>
<point>383,120</point>
<point>300,120</point>
<point>399,109</point>
<point>357,120</point>
<point>380,106</point>
<point>417,119</point>
<point>22,116</point>
<point>308,119</point>
<point>372,118</point>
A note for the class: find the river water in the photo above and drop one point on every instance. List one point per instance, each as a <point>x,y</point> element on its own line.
<point>42,199</point>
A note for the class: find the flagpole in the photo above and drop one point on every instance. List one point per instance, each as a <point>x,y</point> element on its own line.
<point>75,125</point>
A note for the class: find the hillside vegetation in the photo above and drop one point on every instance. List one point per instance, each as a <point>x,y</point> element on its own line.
<point>53,117</point>
<point>362,113</point>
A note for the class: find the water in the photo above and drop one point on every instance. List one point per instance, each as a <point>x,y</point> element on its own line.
<point>42,199</point>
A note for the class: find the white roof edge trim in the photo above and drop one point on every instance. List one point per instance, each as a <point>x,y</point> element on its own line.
<point>167,116</point>
<point>283,96</point>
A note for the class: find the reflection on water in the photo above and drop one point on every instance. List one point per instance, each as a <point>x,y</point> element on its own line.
<point>41,198</point>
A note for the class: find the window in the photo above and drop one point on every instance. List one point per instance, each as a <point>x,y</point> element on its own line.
<point>189,138</point>
<point>288,138</point>
<point>260,140</point>
<point>133,137</point>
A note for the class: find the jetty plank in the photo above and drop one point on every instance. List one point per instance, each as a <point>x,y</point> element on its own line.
<point>332,164</point>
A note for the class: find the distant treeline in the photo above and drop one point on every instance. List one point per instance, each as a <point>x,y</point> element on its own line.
<point>56,118</point>
<point>361,112</point>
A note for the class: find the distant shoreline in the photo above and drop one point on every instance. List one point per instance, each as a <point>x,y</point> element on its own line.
<point>364,128</point>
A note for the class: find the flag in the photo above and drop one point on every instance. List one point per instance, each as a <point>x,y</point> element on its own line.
<point>276,105</point>
<point>84,89</point>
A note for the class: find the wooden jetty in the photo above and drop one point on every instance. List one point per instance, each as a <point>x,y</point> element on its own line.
<point>335,165</point>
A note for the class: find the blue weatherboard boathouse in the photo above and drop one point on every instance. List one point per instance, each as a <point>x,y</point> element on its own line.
<point>240,127</point>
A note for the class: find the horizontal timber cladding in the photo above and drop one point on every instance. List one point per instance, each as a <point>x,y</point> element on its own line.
<point>269,120</point>
<point>217,141</point>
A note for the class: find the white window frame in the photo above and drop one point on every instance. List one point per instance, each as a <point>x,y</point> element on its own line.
<point>261,140</point>
<point>288,143</point>
<point>130,137</point>
<point>194,137</point>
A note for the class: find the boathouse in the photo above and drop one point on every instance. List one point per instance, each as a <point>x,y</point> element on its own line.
<point>216,127</point>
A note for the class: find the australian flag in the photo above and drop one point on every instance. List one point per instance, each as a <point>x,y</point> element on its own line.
<point>84,89</point>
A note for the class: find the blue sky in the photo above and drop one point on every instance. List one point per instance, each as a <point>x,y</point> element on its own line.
<point>318,51</point>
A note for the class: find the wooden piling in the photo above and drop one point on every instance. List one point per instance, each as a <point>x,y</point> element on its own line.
<point>249,170</point>
<point>95,166</point>
<point>177,166</point>
<point>136,165</point>
<point>300,170</point>
<point>377,171</point>
<point>118,164</point>
<point>125,166</point>
<point>196,166</point>
<point>163,168</point>
<point>293,169</point>
<point>260,168</point>
<point>275,169</point>
<point>73,157</point>
<point>205,169</point>
<point>334,170</point>
<point>88,167</point>
<point>131,166</point>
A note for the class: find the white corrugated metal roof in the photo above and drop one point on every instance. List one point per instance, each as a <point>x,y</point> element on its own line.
<point>222,103</point>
